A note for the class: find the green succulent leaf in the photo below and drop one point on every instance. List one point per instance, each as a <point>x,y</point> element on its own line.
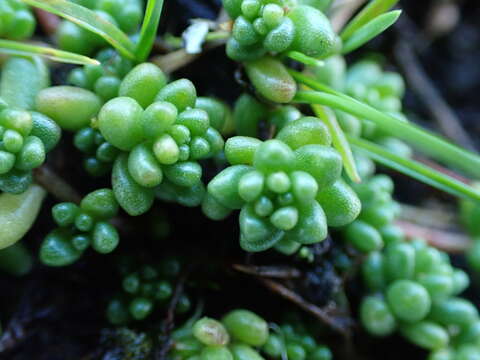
<point>370,30</point>
<point>415,170</point>
<point>89,20</point>
<point>368,13</point>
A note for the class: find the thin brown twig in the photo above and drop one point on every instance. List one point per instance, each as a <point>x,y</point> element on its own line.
<point>439,218</point>
<point>177,59</point>
<point>322,315</point>
<point>346,9</point>
<point>280,272</point>
<point>48,21</point>
<point>442,169</point>
<point>423,87</point>
<point>169,322</point>
<point>444,240</point>
<point>442,17</point>
<point>55,185</point>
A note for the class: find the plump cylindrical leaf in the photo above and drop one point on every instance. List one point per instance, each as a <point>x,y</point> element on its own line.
<point>17,214</point>
<point>340,203</point>
<point>143,83</point>
<point>271,79</point>
<point>408,300</point>
<point>72,108</point>
<point>101,204</point>
<point>132,197</point>
<point>376,316</point>
<point>426,334</point>
<point>210,332</point>
<point>314,35</point>
<point>247,327</point>
<point>305,131</point>
<point>120,122</point>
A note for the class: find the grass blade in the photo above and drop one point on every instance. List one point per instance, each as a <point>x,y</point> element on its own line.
<point>149,29</point>
<point>339,140</point>
<point>89,20</point>
<point>436,147</point>
<point>22,49</point>
<point>370,30</point>
<point>415,170</point>
<point>368,13</point>
<point>304,59</point>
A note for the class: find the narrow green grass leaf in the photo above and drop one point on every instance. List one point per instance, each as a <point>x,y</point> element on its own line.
<point>310,82</point>
<point>22,49</point>
<point>369,12</point>
<point>423,140</point>
<point>149,29</point>
<point>339,140</point>
<point>415,170</point>
<point>370,30</point>
<point>89,20</point>
<point>304,59</point>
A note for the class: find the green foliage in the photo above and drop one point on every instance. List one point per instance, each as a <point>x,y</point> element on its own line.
<point>235,337</point>
<point>414,289</point>
<point>90,29</point>
<point>18,213</point>
<point>16,20</point>
<point>154,137</point>
<point>374,227</point>
<point>21,49</point>
<point>99,153</point>
<point>163,132</point>
<point>288,189</point>
<point>262,27</point>
<point>16,259</point>
<point>21,81</point>
<point>102,79</point>
<point>149,29</point>
<point>244,335</point>
<point>72,108</point>
<point>370,30</point>
<point>81,226</point>
<point>25,136</point>
<point>366,82</point>
<point>145,289</point>
<point>295,340</point>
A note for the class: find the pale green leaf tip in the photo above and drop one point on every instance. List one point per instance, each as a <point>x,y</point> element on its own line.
<point>354,176</point>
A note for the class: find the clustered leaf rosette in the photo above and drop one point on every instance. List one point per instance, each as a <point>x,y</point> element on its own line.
<point>144,290</point>
<point>163,135</point>
<point>276,26</point>
<point>289,189</point>
<point>81,226</point>
<point>295,340</point>
<point>25,138</point>
<point>126,14</point>
<point>16,20</point>
<point>367,82</point>
<point>237,336</point>
<point>100,154</point>
<point>375,226</point>
<point>415,291</point>
<point>104,79</point>
<point>242,334</point>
